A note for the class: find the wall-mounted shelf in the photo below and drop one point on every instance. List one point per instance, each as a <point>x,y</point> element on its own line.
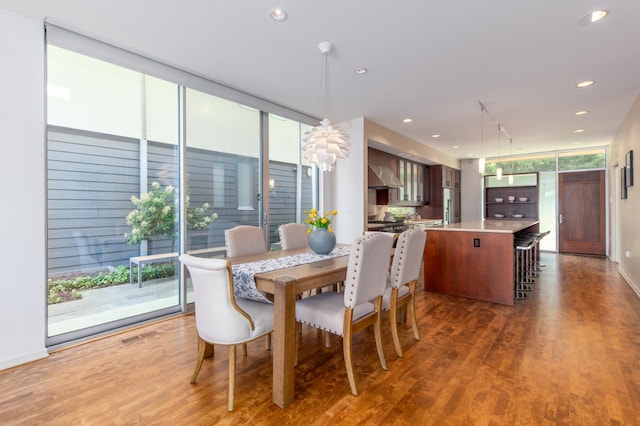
<point>524,186</point>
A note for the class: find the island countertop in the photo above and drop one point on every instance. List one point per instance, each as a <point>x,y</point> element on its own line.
<point>490,225</point>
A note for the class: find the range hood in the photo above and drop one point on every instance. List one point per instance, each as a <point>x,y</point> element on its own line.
<point>382,177</point>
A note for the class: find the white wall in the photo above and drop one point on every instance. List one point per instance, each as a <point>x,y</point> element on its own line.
<point>348,187</point>
<point>628,138</point>
<point>22,165</point>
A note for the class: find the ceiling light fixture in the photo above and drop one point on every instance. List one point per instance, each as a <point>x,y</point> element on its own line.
<point>578,131</point>
<point>500,130</point>
<point>583,112</point>
<point>499,169</point>
<point>435,135</point>
<point>591,17</point>
<point>455,146</point>
<point>361,71</point>
<point>407,120</point>
<point>324,145</point>
<point>585,83</point>
<point>481,160</point>
<point>279,15</point>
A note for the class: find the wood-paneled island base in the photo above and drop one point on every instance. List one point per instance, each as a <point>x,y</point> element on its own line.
<point>474,259</point>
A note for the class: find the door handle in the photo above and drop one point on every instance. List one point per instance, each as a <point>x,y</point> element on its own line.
<point>561,218</point>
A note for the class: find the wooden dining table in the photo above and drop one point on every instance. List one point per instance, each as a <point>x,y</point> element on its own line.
<point>285,284</point>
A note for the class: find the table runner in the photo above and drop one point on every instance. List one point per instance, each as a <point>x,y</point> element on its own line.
<point>244,284</point>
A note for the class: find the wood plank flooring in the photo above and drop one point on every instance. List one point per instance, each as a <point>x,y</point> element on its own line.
<point>569,355</point>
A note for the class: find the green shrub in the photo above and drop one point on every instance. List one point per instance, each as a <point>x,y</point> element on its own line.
<point>65,290</point>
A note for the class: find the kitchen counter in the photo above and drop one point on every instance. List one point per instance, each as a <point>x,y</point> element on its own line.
<point>490,225</point>
<point>474,259</point>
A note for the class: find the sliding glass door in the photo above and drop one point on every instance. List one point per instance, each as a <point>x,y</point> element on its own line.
<point>124,148</point>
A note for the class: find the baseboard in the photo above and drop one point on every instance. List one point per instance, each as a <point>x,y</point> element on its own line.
<point>633,285</point>
<point>8,363</point>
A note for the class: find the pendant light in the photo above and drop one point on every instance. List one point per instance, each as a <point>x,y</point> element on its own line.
<point>499,169</point>
<point>510,161</point>
<point>481,160</point>
<point>325,144</point>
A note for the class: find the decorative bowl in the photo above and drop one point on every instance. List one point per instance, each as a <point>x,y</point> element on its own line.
<point>512,198</point>
<point>498,215</point>
<point>523,199</point>
<point>499,200</point>
<point>518,216</point>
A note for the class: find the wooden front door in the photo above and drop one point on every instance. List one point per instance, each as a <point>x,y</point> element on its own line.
<point>581,207</point>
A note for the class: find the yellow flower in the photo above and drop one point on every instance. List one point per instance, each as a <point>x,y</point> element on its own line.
<point>327,213</point>
<point>330,229</point>
<point>335,212</point>
<point>309,231</point>
<point>324,220</point>
<point>314,211</point>
<point>308,221</point>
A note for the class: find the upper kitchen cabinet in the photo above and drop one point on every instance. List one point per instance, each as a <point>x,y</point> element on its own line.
<point>397,181</point>
<point>413,191</point>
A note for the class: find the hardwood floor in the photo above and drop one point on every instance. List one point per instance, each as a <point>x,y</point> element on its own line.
<point>570,354</point>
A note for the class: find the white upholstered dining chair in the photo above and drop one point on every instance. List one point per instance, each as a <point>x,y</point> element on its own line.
<point>359,306</point>
<point>221,319</point>
<point>403,277</point>
<point>244,240</point>
<point>293,235</point>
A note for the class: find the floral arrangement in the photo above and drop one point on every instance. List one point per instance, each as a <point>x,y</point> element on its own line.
<point>154,215</point>
<point>317,221</point>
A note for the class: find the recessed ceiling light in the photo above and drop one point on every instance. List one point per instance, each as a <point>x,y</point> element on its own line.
<point>585,83</point>
<point>578,131</point>
<point>592,17</point>
<point>455,146</point>
<point>279,15</point>
<point>361,71</point>
<point>437,136</point>
<point>583,112</point>
<point>407,120</point>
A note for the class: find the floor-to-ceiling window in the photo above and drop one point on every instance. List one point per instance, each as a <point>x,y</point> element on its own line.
<point>124,147</point>
<point>291,178</point>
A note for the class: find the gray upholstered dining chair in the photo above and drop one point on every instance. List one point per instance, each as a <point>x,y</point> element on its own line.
<point>244,240</point>
<point>221,319</point>
<point>359,306</point>
<point>403,276</point>
<point>293,235</point>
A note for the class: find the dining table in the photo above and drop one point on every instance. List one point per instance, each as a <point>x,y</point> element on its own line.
<point>283,285</point>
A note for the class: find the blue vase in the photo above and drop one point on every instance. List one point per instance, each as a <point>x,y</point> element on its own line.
<point>321,241</point>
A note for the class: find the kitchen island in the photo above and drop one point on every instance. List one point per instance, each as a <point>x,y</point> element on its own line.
<point>474,259</point>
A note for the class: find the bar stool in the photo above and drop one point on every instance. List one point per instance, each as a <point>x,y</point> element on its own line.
<point>536,254</point>
<point>523,261</point>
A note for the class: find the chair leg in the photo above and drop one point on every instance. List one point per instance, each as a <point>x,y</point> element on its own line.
<point>377,331</point>
<point>327,339</point>
<point>347,337</point>
<point>393,320</point>
<point>268,342</point>
<point>202,346</point>
<point>232,377</point>
<point>412,311</point>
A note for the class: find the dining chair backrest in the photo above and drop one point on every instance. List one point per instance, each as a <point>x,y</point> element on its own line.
<point>218,317</point>
<point>293,235</point>
<point>407,257</point>
<point>243,240</point>
<point>368,269</point>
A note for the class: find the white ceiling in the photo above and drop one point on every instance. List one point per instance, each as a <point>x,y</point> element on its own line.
<point>428,60</point>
